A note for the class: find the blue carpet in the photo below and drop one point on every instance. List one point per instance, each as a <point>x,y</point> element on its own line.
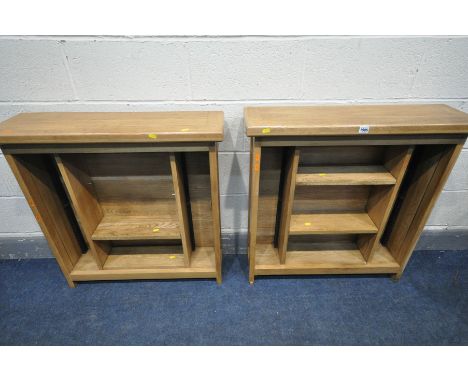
<point>428,306</point>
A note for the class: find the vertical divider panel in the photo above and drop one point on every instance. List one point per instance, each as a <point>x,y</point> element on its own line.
<point>215,209</point>
<point>35,181</point>
<point>289,186</point>
<point>381,200</point>
<point>254,181</point>
<point>84,201</point>
<point>181,202</point>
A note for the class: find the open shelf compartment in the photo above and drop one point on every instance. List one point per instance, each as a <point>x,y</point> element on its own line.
<point>147,266</point>
<point>343,175</point>
<point>331,223</point>
<point>135,212</point>
<point>341,258</point>
<point>333,206</point>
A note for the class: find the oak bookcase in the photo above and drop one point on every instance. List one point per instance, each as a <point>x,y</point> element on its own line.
<point>345,189</point>
<point>122,195</point>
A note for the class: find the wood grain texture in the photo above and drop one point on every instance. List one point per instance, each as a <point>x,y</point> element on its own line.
<point>255,163</point>
<point>181,204</point>
<point>128,268</point>
<point>419,179</point>
<point>215,209</point>
<point>439,170</point>
<point>382,198</point>
<point>35,180</point>
<point>342,156</point>
<point>104,148</point>
<point>81,192</point>
<point>362,140</point>
<point>341,259</point>
<point>289,186</point>
<point>331,224</point>
<point>327,199</point>
<point>349,182</point>
<point>121,227</point>
<point>346,120</point>
<point>343,176</point>
<point>269,184</point>
<point>198,175</point>
<point>146,257</point>
<point>189,126</point>
<point>128,177</point>
<point>131,184</point>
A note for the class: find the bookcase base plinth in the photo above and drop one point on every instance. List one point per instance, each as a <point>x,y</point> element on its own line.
<point>137,267</point>
<point>345,261</point>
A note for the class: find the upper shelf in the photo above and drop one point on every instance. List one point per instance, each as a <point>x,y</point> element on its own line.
<point>354,120</point>
<point>343,176</point>
<point>186,126</point>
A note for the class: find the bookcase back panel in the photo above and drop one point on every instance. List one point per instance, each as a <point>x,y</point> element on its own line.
<point>345,155</point>
<point>135,184</point>
<point>310,199</point>
<point>320,242</point>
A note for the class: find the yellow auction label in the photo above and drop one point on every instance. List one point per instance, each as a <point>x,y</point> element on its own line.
<point>155,229</point>
<point>322,174</point>
<point>266,130</point>
<point>152,136</point>
<point>184,130</point>
<point>307,223</point>
<point>173,257</point>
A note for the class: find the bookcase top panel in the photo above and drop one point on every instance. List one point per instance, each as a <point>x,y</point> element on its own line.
<point>72,127</point>
<point>354,120</point>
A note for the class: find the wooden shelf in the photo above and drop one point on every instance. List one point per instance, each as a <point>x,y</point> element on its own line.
<point>137,257</point>
<point>146,266</point>
<point>344,258</point>
<point>116,227</point>
<point>352,223</point>
<point>343,175</point>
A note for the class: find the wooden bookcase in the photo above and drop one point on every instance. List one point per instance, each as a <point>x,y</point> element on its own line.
<point>345,189</point>
<point>122,195</point>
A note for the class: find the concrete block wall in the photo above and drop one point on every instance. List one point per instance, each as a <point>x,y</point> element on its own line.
<point>228,73</point>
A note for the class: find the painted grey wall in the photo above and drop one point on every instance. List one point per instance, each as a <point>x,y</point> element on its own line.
<point>228,73</point>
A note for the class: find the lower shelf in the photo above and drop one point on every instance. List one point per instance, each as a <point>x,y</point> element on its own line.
<point>115,227</point>
<point>322,261</point>
<point>331,223</point>
<point>147,266</point>
<point>145,257</point>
